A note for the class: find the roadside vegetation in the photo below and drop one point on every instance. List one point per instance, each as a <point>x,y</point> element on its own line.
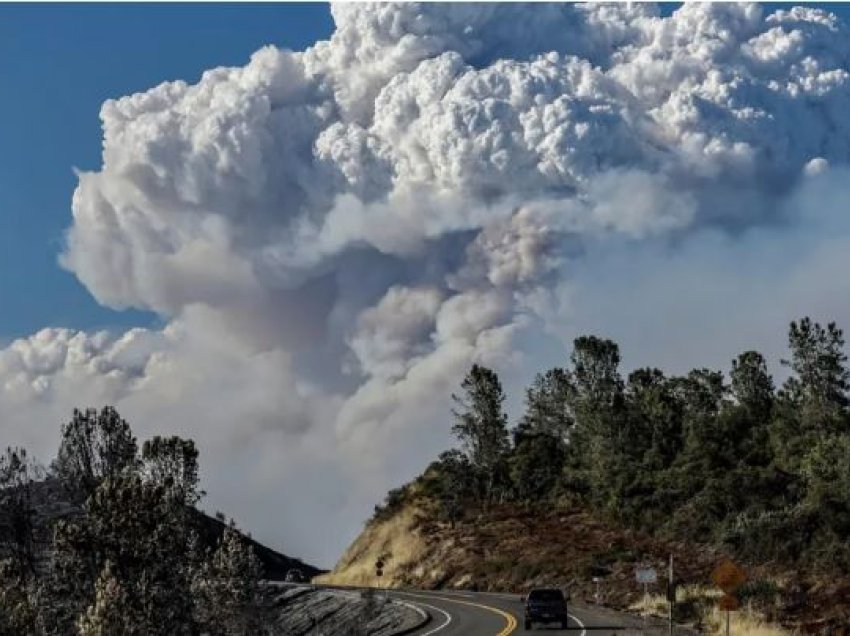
<point>697,604</point>
<point>106,541</point>
<point>730,463</point>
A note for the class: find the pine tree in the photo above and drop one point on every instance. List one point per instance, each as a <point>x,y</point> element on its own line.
<point>172,462</point>
<point>18,476</point>
<point>535,466</point>
<point>227,589</point>
<point>451,479</point>
<point>813,401</point>
<point>821,379</point>
<point>18,610</point>
<point>547,406</point>
<point>112,612</point>
<point>67,587</point>
<point>482,427</point>
<point>654,421</point>
<point>95,445</point>
<point>598,437</point>
<point>752,385</point>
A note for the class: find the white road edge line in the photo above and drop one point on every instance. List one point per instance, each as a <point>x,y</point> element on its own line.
<point>580,624</point>
<point>439,628</point>
<point>415,608</point>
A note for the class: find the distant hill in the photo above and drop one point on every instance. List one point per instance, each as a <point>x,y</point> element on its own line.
<point>51,504</point>
<point>275,564</point>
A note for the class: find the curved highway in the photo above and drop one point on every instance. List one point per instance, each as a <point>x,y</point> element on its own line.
<point>484,614</point>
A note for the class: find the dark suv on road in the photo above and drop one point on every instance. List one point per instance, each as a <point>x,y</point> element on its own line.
<point>294,576</point>
<point>546,605</point>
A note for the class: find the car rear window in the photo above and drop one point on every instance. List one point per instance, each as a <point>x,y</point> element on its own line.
<point>545,596</point>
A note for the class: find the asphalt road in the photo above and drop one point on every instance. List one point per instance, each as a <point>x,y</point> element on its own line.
<point>482,614</point>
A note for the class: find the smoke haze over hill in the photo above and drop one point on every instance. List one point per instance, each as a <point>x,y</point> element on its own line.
<point>332,236</point>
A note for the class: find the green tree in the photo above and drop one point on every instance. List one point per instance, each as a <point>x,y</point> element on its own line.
<point>145,534</point>
<point>112,612</point>
<point>535,465</point>
<point>18,478</point>
<point>826,471</point>
<point>820,381</point>
<point>172,462</point>
<point>18,611</point>
<point>547,405</point>
<point>595,401</point>
<point>655,413</point>
<point>481,426</point>
<point>451,481</point>
<point>641,491</point>
<point>66,588</point>
<point>752,385</point>
<point>813,401</point>
<point>701,393</point>
<point>135,533</point>
<point>595,371</point>
<point>541,437</point>
<point>227,589</point>
<point>826,474</point>
<point>594,391</point>
<point>747,421</point>
<point>95,445</point>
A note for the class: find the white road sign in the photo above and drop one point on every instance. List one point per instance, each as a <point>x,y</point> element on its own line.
<point>646,575</point>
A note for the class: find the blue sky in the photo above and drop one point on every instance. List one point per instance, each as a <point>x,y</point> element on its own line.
<point>58,64</point>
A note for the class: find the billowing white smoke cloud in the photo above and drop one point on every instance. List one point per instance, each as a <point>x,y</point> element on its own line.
<point>334,235</point>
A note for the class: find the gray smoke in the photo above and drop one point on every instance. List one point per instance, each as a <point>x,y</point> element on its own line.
<point>332,236</point>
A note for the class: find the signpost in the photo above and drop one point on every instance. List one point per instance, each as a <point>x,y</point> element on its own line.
<point>728,603</point>
<point>671,593</point>
<point>645,575</point>
<point>379,572</point>
<point>729,577</point>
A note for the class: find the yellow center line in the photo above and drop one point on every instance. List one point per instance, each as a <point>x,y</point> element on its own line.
<point>511,621</point>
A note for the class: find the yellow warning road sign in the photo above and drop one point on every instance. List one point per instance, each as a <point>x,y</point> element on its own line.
<point>729,577</point>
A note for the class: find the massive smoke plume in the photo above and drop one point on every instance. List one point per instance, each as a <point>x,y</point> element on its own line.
<point>332,236</point>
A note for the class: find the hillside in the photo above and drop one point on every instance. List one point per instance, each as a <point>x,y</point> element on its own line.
<point>603,472</point>
<point>511,548</point>
<point>275,564</point>
<point>51,503</point>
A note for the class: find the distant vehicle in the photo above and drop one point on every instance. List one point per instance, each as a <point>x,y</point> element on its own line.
<point>546,605</point>
<point>294,576</point>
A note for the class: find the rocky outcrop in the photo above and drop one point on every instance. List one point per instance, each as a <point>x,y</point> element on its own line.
<point>302,609</point>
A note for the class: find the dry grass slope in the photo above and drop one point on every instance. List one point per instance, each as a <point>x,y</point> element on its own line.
<point>396,540</point>
<point>746,622</point>
<point>511,548</point>
<point>743,623</point>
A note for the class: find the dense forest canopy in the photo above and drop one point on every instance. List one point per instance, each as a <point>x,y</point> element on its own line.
<point>730,460</point>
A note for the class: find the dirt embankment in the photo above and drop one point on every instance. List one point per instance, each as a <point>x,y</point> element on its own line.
<point>398,542</point>
<point>511,548</point>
